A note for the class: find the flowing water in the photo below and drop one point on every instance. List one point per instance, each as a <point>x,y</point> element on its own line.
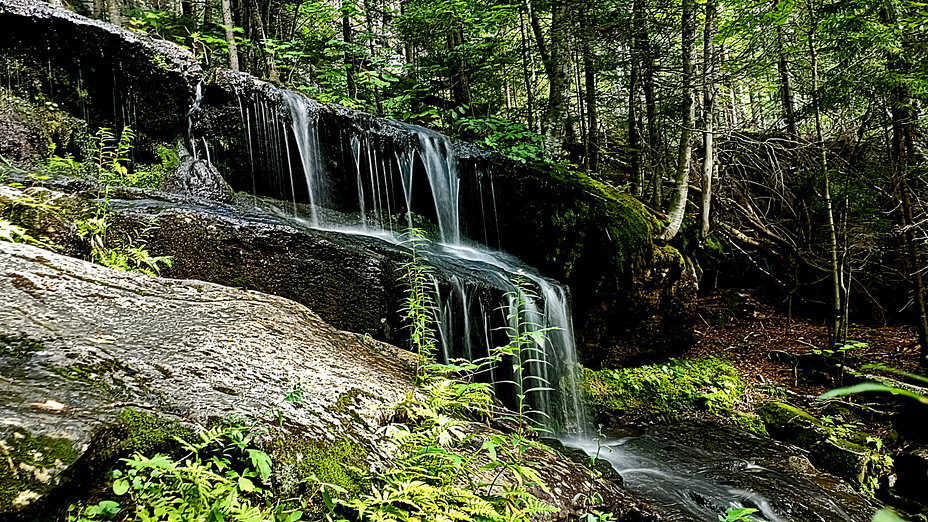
<point>376,178</point>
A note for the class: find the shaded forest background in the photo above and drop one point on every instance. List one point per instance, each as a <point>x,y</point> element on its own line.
<point>781,141</point>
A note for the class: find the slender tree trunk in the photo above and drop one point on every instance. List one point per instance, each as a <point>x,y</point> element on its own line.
<point>589,81</point>
<point>272,74</point>
<point>677,209</point>
<point>592,109</point>
<point>634,133</point>
<point>709,93</point>
<point>351,64</point>
<point>112,12</point>
<point>207,11</point>
<point>230,35</point>
<point>650,102</point>
<point>529,75</point>
<point>460,81</point>
<point>555,124</point>
<point>835,324</point>
<point>786,83</point>
<point>903,148</point>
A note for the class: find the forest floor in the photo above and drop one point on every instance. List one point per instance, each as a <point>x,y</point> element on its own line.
<point>753,334</point>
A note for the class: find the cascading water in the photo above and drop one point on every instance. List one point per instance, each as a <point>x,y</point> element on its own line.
<point>378,178</point>
<point>383,179</point>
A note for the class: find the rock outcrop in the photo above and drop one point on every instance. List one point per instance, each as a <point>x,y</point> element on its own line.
<point>634,302</point>
<point>101,73</point>
<point>85,351</point>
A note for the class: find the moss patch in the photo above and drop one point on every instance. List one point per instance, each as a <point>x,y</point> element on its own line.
<point>19,347</point>
<point>678,386</point>
<point>588,218</point>
<point>106,375</point>
<point>31,467</point>
<point>296,458</point>
<point>149,433</point>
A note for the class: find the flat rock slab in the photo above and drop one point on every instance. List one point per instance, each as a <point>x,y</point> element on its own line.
<point>79,341</point>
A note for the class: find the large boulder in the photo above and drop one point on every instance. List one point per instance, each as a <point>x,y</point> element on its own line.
<point>95,362</point>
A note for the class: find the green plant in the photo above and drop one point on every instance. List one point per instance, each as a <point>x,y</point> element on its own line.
<point>221,477</point>
<point>128,253</point>
<point>437,471</point>
<point>525,355</point>
<point>66,165</point>
<point>592,498</point>
<point>737,515</point>
<point>419,306</point>
<point>879,387</point>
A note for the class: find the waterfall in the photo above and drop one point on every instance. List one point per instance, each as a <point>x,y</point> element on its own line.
<point>370,177</point>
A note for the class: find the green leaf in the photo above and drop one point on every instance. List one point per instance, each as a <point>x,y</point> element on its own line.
<point>261,461</point>
<point>245,485</point>
<point>120,487</point>
<point>871,387</point>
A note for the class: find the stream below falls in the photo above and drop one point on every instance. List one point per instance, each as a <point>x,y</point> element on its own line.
<point>696,471</point>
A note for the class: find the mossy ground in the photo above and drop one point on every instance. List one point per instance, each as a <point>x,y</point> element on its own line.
<point>674,388</point>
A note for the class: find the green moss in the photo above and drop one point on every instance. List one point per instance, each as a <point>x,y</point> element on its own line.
<point>749,421</point>
<point>30,466</point>
<point>587,223</point>
<point>19,347</point>
<point>149,433</point>
<point>103,376</point>
<point>678,386</point>
<point>297,458</point>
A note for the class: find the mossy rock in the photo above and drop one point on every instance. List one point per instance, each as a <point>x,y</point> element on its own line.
<point>845,458</point>
<point>672,389</point>
<point>791,424</point>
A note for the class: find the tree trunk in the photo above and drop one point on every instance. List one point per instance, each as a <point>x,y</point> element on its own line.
<point>634,134</point>
<point>677,209</point>
<point>555,124</point>
<point>650,101</point>
<point>460,81</point>
<point>351,64</point>
<point>589,80</point>
<point>112,12</point>
<point>529,75</point>
<point>709,93</point>
<point>272,74</point>
<point>903,148</point>
<point>786,84</point>
<point>835,324</point>
<point>230,35</point>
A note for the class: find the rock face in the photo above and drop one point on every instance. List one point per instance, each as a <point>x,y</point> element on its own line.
<point>633,302</point>
<point>106,75</point>
<point>85,351</point>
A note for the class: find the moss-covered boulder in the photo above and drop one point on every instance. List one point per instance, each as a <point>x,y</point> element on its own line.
<point>671,390</point>
<point>830,449</point>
